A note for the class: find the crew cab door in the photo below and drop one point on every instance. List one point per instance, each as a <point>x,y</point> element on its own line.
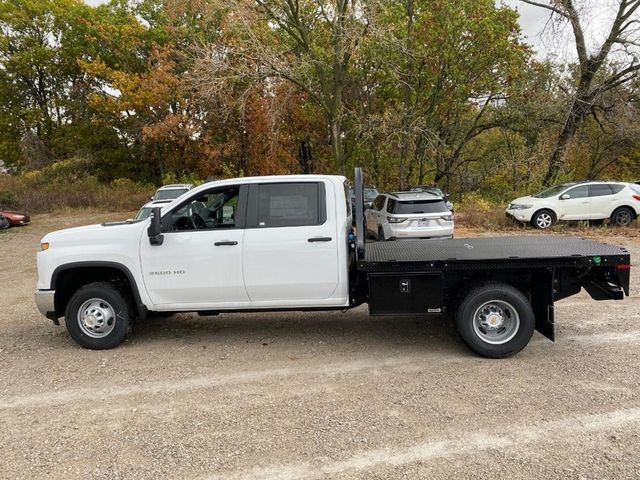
<point>290,252</point>
<point>199,264</point>
<point>577,206</point>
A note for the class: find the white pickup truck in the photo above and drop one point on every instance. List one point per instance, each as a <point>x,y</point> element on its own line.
<point>287,243</point>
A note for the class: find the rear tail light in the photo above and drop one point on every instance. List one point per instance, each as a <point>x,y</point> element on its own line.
<point>637,197</point>
<point>448,218</point>
<point>396,220</point>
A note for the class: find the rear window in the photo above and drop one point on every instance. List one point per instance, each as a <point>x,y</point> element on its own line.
<point>635,188</point>
<point>170,194</point>
<point>419,206</point>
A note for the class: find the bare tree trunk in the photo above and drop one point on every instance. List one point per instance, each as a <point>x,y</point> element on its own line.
<point>406,95</point>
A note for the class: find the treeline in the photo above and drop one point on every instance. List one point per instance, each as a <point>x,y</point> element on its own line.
<point>442,91</point>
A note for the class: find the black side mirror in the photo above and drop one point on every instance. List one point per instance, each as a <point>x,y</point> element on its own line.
<point>155,229</point>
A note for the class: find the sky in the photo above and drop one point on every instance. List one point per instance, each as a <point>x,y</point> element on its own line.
<point>546,38</point>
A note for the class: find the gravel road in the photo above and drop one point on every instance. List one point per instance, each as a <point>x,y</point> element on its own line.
<point>313,395</point>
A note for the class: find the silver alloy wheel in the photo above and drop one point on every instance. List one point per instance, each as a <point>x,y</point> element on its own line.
<point>544,220</point>
<point>96,318</point>
<point>622,217</point>
<point>496,322</point>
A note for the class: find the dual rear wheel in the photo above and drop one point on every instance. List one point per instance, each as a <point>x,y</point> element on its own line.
<point>495,320</point>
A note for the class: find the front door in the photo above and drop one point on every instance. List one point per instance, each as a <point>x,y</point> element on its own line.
<point>577,206</point>
<point>199,264</point>
<point>290,243</point>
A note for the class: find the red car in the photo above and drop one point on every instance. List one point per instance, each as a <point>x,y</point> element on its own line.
<point>15,218</point>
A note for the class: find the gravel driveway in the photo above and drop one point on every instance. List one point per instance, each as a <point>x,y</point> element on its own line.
<point>312,395</point>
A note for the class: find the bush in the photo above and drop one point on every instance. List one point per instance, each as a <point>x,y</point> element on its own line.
<point>52,189</point>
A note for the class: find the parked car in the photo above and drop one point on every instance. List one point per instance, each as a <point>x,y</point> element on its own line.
<point>145,211</point>
<point>4,223</point>
<point>171,192</point>
<point>16,219</point>
<point>409,215</point>
<point>433,189</point>
<point>370,193</point>
<point>589,200</point>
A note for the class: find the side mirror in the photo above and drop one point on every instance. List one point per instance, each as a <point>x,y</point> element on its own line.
<point>565,196</point>
<point>155,229</point>
<point>151,198</point>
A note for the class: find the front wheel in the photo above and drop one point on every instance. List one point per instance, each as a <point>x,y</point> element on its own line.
<point>99,316</point>
<point>543,219</point>
<point>495,320</point>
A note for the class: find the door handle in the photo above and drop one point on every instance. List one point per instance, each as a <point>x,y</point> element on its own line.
<point>319,239</point>
<point>225,242</point>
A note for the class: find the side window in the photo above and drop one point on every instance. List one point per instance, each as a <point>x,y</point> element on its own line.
<point>211,210</point>
<point>579,192</point>
<point>616,187</point>
<point>291,204</point>
<point>599,190</point>
<point>391,205</point>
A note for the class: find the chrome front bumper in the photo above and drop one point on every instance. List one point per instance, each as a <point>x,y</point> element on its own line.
<point>45,303</point>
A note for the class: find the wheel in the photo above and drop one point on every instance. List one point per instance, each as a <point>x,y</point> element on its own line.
<point>495,320</point>
<point>4,222</point>
<point>381,237</point>
<point>99,316</point>
<point>543,219</point>
<point>621,217</point>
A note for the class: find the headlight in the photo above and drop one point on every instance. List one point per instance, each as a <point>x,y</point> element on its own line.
<point>518,206</point>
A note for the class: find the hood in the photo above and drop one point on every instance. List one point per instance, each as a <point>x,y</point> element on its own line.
<point>96,233</point>
<point>528,200</point>
<point>12,212</point>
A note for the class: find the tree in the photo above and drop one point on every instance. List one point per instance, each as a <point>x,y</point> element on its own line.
<point>308,43</point>
<point>589,87</point>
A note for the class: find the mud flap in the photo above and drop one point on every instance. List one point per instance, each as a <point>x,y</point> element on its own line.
<point>542,301</point>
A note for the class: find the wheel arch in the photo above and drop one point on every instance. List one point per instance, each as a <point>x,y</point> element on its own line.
<point>67,278</point>
<point>627,206</point>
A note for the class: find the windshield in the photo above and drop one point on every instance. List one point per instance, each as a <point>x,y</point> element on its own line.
<point>420,206</point>
<point>170,193</point>
<point>145,212</point>
<point>550,192</point>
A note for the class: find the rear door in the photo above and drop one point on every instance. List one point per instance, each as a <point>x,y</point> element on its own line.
<point>290,252</point>
<point>373,216</point>
<point>603,202</point>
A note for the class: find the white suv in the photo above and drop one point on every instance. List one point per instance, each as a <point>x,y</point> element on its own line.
<point>617,201</point>
<point>409,215</point>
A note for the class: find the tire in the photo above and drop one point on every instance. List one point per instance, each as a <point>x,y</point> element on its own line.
<point>381,237</point>
<point>503,306</point>
<point>543,219</point>
<point>99,316</point>
<point>4,222</point>
<point>623,216</point>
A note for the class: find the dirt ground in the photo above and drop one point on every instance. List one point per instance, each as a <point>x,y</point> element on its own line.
<point>314,395</point>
